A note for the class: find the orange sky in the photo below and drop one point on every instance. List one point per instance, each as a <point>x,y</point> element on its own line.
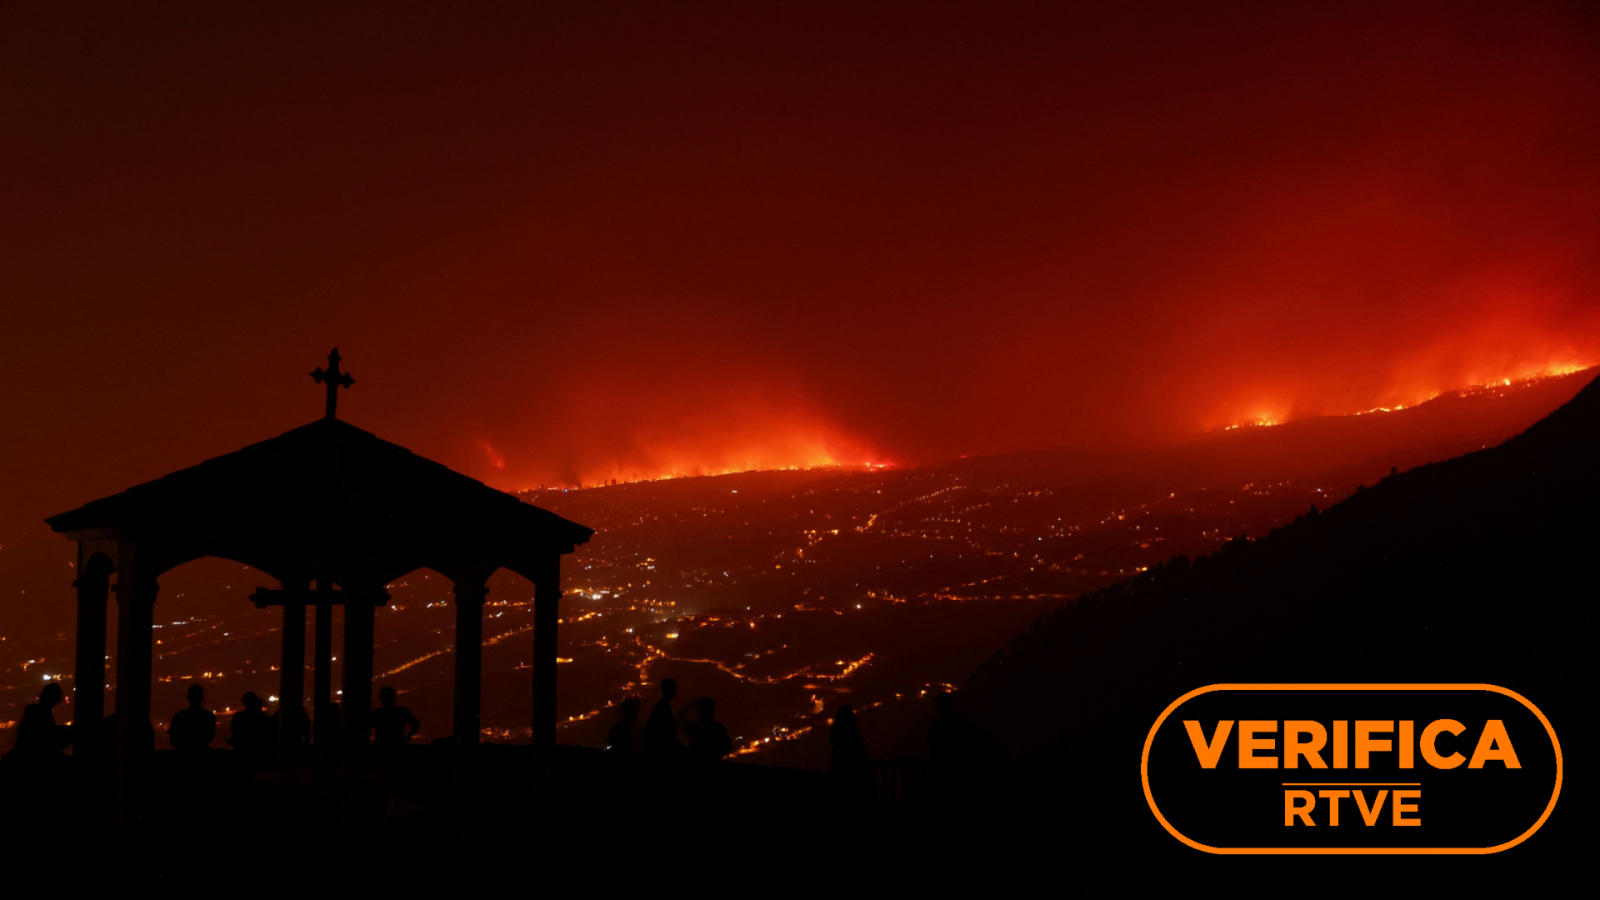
<point>589,244</point>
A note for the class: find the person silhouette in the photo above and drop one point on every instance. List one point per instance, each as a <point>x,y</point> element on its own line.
<point>948,731</point>
<point>326,748</point>
<point>335,722</point>
<point>291,744</point>
<point>251,732</point>
<point>193,727</point>
<point>708,740</point>
<point>35,770</point>
<point>960,755</point>
<point>661,729</point>
<point>38,735</point>
<point>850,767</point>
<point>623,736</point>
<point>392,726</point>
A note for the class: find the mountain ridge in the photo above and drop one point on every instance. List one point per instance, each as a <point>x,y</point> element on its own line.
<point>1431,557</point>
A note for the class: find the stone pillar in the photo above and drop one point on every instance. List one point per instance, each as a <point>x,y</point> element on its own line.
<point>292,679</point>
<point>89,674</point>
<point>136,599</point>
<point>322,677</point>
<point>469,661</point>
<point>355,705</point>
<point>546,612</point>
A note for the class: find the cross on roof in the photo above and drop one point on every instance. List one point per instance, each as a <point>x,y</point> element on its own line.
<point>334,379</point>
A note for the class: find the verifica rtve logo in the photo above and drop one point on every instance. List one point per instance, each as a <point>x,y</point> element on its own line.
<point>1350,768</point>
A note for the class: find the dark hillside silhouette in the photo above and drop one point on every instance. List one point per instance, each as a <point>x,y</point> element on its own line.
<point>1481,568</point>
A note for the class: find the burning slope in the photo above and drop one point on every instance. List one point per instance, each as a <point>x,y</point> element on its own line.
<point>1476,569</point>
<point>1521,378</point>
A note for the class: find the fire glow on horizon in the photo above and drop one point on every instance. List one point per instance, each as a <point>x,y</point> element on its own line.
<point>1525,376</point>
<point>754,444</point>
<point>780,239</point>
<point>724,464</point>
<point>811,448</point>
<point>702,471</point>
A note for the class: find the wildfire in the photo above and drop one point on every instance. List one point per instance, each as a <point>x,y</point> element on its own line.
<point>1257,422</point>
<point>657,423</point>
<point>1526,376</point>
<point>699,471</point>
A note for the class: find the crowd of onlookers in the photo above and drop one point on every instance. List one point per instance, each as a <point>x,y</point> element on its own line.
<point>961,757</point>
<point>958,752</point>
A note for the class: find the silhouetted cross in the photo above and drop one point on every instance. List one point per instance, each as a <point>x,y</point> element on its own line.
<point>334,379</point>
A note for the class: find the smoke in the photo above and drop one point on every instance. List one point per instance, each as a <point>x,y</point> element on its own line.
<point>592,246</point>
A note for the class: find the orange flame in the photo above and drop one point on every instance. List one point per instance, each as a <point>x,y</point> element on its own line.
<point>1414,394</point>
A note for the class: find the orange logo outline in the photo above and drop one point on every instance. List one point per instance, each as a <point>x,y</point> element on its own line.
<point>1144,770</point>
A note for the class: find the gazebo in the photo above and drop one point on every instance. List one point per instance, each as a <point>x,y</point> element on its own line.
<point>334,514</point>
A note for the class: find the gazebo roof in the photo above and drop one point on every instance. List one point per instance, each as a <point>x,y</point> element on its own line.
<point>323,494</point>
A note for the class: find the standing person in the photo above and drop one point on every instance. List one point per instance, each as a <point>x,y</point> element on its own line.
<point>325,753</point>
<point>36,770</point>
<point>962,758</point>
<point>251,733</point>
<point>947,738</point>
<point>392,728</point>
<point>622,750</point>
<point>661,729</point>
<point>38,735</point>
<point>623,738</point>
<point>850,768</point>
<point>194,727</point>
<point>708,740</point>
<point>293,741</point>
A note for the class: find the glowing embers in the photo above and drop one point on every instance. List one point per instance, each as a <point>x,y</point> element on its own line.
<point>1258,422</point>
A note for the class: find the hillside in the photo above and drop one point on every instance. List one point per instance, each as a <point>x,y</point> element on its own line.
<point>874,586</point>
<point>1479,568</point>
<point>1453,423</point>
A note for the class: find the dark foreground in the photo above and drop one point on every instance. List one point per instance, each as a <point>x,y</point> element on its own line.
<point>1081,825</point>
<point>1481,569</point>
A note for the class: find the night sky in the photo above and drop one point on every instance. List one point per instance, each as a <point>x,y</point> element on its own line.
<point>636,239</point>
